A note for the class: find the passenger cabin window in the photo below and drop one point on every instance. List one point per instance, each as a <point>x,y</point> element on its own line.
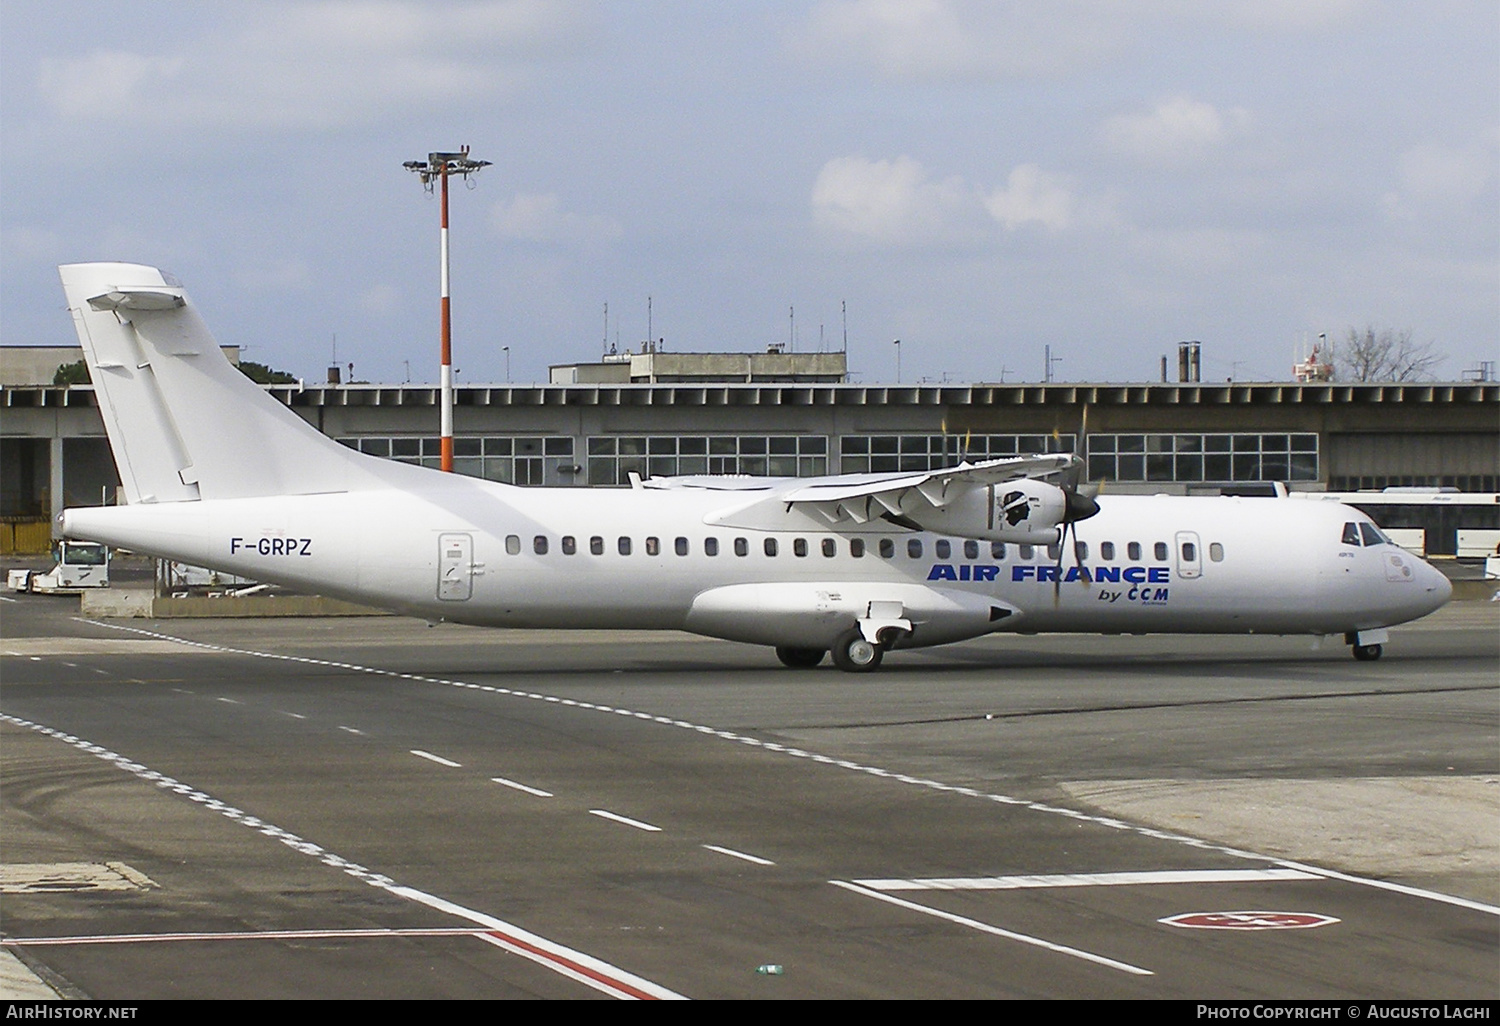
<point>624,545</point>
<point>887,549</point>
<point>943,548</point>
<point>539,545</point>
<point>1161,550</point>
<point>971,549</point>
<point>653,546</point>
<point>1216,552</point>
<point>997,550</point>
<point>857,547</point>
<point>569,545</point>
<point>710,546</point>
<point>1107,551</point>
<point>1133,552</point>
<point>513,544</point>
<point>1351,534</point>
<point>1083,550</point>
<point>830,547</point>
<point>596,545</point>
<point>741,547</point>
<point>1189,552</point>
<point>1054,552</point>
<point>1372,534</point>
<point>770,546</point>
<point>914,548</point>
<point>681,546</point>
<point>799,547</point>
<point>1028,551</point>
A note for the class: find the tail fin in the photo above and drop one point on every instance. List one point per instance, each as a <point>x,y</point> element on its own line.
<point>183,422</point>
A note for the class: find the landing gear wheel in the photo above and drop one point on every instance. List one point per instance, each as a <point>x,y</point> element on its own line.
<point>1366,653</point>
<point>853,654</point>
<point>800,658</point>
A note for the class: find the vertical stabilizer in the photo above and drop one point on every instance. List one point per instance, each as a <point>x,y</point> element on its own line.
<point>183,422</point>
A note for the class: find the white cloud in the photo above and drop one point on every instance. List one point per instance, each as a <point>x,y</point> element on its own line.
<point>896,202</point>
<point>1178,131</point>
<point>539,217</point>
<point>1031,196</point>
<point>1438,178</point>
<point>380,300</point>
<point>959,38</point>
<point>315,65</point>
<point>890,201</point>
<point>986,39</point>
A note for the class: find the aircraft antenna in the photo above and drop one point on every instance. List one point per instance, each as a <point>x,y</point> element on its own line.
<point>439,167</point>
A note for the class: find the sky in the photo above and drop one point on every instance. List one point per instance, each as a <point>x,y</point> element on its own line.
<point>980,179</point>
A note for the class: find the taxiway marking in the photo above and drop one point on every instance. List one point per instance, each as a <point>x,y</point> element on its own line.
<point>606,814</point>
<point>575,965</point>
<point>974,924</point>
<point>433,758</point>
<point>740,855</point>
<point>1013,883</point>
<point>798,753</point>
<point>522,787</point>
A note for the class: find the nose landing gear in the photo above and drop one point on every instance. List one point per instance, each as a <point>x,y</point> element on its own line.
<point>1367,645</point>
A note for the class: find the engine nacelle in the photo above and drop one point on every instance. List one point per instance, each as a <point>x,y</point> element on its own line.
<point>1026,512</point>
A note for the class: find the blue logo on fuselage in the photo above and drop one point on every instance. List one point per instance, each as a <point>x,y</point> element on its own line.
<point>1048,574</point>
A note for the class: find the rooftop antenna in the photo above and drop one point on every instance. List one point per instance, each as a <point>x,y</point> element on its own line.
<point>440,166</point>
<point>844,311</point>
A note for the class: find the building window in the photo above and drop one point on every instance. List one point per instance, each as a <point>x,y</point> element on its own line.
<point>512,459</point>
<point>879,454</point>
<point>612,459</point>
<point>1203,457</point>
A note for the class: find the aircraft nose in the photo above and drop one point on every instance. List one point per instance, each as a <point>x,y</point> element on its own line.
<point>1439,588</point>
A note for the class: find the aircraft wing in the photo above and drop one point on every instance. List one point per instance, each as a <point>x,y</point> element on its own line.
<point>862,497</point>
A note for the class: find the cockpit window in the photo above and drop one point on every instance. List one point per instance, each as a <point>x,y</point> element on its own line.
<point>1373,535</point>
<point>1351,533</point>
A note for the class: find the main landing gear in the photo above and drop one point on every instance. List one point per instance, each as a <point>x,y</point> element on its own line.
<point>851,653</point>
<point>800,658</point>
<point>1365,653</point>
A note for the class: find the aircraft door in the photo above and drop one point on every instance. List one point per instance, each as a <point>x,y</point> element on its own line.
<point>455,567</point>
<point>1189,555</point>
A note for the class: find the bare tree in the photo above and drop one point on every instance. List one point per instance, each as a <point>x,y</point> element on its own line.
<point>1385,355</point>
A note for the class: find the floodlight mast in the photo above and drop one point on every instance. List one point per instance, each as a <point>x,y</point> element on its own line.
<point>440,166</point>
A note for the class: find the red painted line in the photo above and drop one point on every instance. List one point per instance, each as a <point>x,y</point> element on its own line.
<point>572,966</point>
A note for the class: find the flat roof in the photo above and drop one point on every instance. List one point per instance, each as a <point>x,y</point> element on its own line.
<point>813,394</point>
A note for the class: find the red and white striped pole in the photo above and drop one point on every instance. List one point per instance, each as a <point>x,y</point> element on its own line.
<point>440,166</point>
<point>445,382</point>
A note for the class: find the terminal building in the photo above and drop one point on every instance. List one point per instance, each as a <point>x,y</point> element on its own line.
<point>785,414</point>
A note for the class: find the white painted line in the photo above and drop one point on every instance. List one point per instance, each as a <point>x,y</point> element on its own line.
<point>974,924</point>
<point>230,701</point>
<point>1034,806</point>
<point>1015,883</point>
<point>626,820</point>
<point>7,598</point>
<point>1386,885</point>
<point>522,787</point>
<point>356,730</point>
<point>295,716</point>
<point>740,855</point>
<point>576,965</point>
<point>421,754</point>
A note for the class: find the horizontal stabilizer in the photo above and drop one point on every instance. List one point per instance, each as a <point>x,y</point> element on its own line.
<point>182,421</point>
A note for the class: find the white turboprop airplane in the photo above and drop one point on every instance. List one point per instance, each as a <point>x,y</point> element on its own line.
<point>218,474</point>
